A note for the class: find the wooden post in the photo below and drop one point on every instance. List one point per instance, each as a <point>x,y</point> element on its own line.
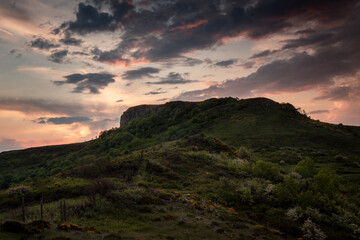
<point>61,212</point>
<point>64,210</point>
<point>41,208</point>
<point>23,208</point>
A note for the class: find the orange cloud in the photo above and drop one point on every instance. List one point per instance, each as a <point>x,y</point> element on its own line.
<point>190,25</point>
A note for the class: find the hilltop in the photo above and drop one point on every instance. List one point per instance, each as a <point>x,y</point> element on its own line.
<point>221,168</point>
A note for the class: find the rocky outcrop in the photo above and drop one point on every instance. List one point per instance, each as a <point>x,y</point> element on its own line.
<point>138,112</point>
<point>252,104</point>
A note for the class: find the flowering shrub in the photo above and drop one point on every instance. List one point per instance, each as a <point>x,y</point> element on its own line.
<point>311,231</point>
<point>294,213</point>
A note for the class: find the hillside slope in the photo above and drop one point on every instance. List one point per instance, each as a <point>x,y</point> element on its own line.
<point>220,169</point>
<point>258,123</point>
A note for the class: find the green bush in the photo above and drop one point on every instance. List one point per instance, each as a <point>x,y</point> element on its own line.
<point>306,168</point>
<point>266,170</point>
<point>247,154</point>
<point>287,192</point>
<point>327,183</point>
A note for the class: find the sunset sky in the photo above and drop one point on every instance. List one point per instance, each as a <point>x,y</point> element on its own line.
<point>69,68</point>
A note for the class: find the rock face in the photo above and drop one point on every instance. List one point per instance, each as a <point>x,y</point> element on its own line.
<point>254,104</point>
<point>137,112</point>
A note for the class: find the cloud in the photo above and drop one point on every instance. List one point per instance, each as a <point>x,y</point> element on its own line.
<point>68,40</point>
<point>226,63</point>
<point>154,92</point>
<point>58,57</point>
<point>48,106</point>
<point>13,10</point>
<point>171,29</point>
<point>80,53</point>
<point>120,100</point>
<point>299,73</point>
<point>92,19</point>
<point>190,62</point>
<point>162,99</point>
<point>340,93</point>
<point>319,111</point>
<point>140,73</point>
<point>7,144</point>
<point>173,78</point>
<point>318,67</point>
<point>311,39</point>
<point>90,81</point>
<point>62,120</point>
<point>15,53</point>
<point>264,53</point>
<point>42,43</point>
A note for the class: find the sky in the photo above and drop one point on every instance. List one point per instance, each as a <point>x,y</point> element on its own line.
<point>69,68</point>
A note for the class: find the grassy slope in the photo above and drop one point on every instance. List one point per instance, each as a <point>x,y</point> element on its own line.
<point>257,123</point>
<point>197,165</point>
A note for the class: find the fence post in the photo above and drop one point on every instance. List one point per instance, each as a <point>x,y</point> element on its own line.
<point>41,207</point>
<point>23,208</point>
<point>64,210</point>
<point>61,212</point>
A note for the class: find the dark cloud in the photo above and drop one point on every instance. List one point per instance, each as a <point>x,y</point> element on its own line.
<point>264,54</point>
<point>319,111</point>
<point>91,81</point>
<point>172,28</point>
<point>42,43</point>
<point>173,78</point>
<point>162,99</point>
<point>15,53</point>
<point>190,62</point>
<point>80,53</point>
<point>62,120</point>
<point>336,55</point>
<point>340,93</point>
<point>299,73</point>
<point>7,144</point>
<point>310,40</point>
<point>120,100</point>
<point>154,92</point>
<point>226,63</point>
<point>306,31</point>
<point>140,73</point>
<point>248,64</point>
<point>68,40</point>
<point>58,57</point>
<point>91,19</point>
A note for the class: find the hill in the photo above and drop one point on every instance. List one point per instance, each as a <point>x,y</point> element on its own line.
<point>221,168</point>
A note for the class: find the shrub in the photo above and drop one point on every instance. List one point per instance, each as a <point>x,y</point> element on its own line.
<point>287,191</point>
<point>311,231</point>
<point>294,213</point>
<point>245,153</point>
<point>100,186</point>
<point>306,168</point>
<point>127,198</point>
<point>266,170</point>
<point>327,183</point>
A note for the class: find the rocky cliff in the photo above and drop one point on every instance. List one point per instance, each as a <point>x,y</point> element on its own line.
<point>137,112</point>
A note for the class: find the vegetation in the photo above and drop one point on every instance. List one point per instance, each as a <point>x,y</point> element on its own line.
<point>222,168</point>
